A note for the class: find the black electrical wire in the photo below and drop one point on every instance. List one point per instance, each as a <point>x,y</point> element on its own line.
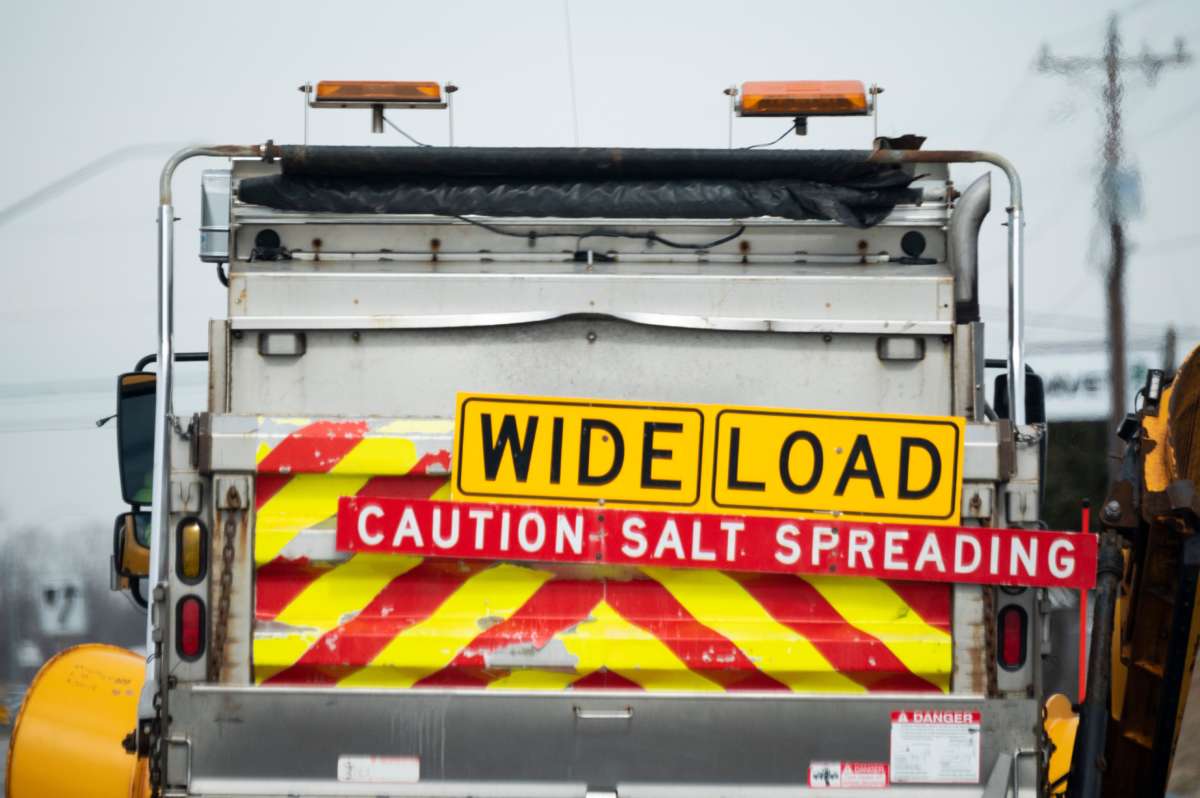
<point>396,128</point>
<point>773,141</point>
<point>597,233</point>
<point>224,278</point>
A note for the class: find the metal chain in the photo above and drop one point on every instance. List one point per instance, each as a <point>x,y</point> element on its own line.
<point>216,653</point>
<point>154,749</point>
<point>154,745</point>
<point>182,431</point>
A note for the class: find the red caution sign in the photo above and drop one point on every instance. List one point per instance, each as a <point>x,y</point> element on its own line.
<point>935,747</point>
<point>764,544</point>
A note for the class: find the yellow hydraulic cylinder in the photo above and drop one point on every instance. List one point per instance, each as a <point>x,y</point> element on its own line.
<point>67,736</point>
<point>1061,723</point>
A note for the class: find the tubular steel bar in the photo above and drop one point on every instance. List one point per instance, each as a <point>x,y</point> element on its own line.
<point>1087,757</point>
<point>1016,257</point>
<point>166,219</point>
<point>180,357</point>
<point>162,401</point>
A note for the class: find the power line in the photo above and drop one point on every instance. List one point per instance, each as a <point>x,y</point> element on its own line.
<point>1003,116</point>
<point>1079,31</point>
<point>63,426</point>
<point>1113,65</point>
<point>1168,245</point>
<point>1172,121</point>
<point>1055,320</point>
<point>1090,345</point>
<point>87,386</point>
<point>85,172</point>
<point>571,71</point>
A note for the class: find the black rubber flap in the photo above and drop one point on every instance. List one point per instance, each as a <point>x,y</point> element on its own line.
<point>842,185</point>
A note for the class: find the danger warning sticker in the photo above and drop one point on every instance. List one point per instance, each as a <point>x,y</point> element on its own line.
<point>368,769</point>
<point>847,775</point>
<point>935,747</point>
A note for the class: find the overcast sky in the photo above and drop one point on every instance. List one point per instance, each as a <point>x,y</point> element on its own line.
<point>85,80</point>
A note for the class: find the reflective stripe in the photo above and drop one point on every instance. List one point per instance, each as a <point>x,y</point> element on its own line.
<point>535,679</point>
<point>406,600</point>
<point>337,594</point>
<point>524,637</point>
<point>606,640</point>
<point>864,658</point>
<point>395,621</point>
<point>305,501</point>
<point>378,457</point>
<point>930,600</point>
<point>314,448</point>
<point>487,598</point>
<point>278,582</point>
<point>880,612</point>
<point>304,474</point>
<point>344,590</point>
<point>720,603</point>
<point>648,604</point>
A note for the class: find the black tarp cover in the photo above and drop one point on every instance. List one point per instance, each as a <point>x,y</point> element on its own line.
<point>842,185</point>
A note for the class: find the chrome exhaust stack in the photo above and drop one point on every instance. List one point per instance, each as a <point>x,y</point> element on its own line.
<point>969,212</point>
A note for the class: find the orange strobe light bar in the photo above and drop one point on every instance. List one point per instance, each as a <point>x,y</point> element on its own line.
<point>803,98</point>
<point>377,95</point>
<point>388,93</point>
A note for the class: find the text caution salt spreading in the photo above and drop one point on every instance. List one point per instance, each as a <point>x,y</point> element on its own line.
<point>935,747</point>
<point>763,544</point>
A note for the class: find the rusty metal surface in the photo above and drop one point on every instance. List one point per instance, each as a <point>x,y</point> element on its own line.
<point>972,631</point>
<point>266,151</point>
<point>954,156</point>
<point>232,585</point>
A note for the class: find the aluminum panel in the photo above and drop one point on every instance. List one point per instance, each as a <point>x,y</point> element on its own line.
<point>880,299</point>
<point>511,741</point>
<point>416,373</point>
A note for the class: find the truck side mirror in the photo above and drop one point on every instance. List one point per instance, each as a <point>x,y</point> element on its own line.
<point>1035,397</point>
<point>131,545</point>
<point>131,553</point>
<point>135,435</point>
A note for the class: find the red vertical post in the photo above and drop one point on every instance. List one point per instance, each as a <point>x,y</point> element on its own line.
<point>1085,523</point>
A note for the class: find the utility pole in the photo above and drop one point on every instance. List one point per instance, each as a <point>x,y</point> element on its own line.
<point>10,596</point>
<point>1170,343</point>
<point>1112,63</point>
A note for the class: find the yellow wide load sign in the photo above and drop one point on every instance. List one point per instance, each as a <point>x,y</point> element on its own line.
<point>708,458</point>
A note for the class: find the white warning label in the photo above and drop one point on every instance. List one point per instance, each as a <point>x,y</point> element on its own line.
<point>935,747</point>
<point>847,775</point>
<point>379,769</point>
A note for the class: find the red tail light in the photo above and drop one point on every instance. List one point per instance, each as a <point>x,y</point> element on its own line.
<point>189,627</point>
<point>1012,627</point>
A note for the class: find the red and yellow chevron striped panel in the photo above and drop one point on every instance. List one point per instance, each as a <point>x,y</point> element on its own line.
<point>375,620</point>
